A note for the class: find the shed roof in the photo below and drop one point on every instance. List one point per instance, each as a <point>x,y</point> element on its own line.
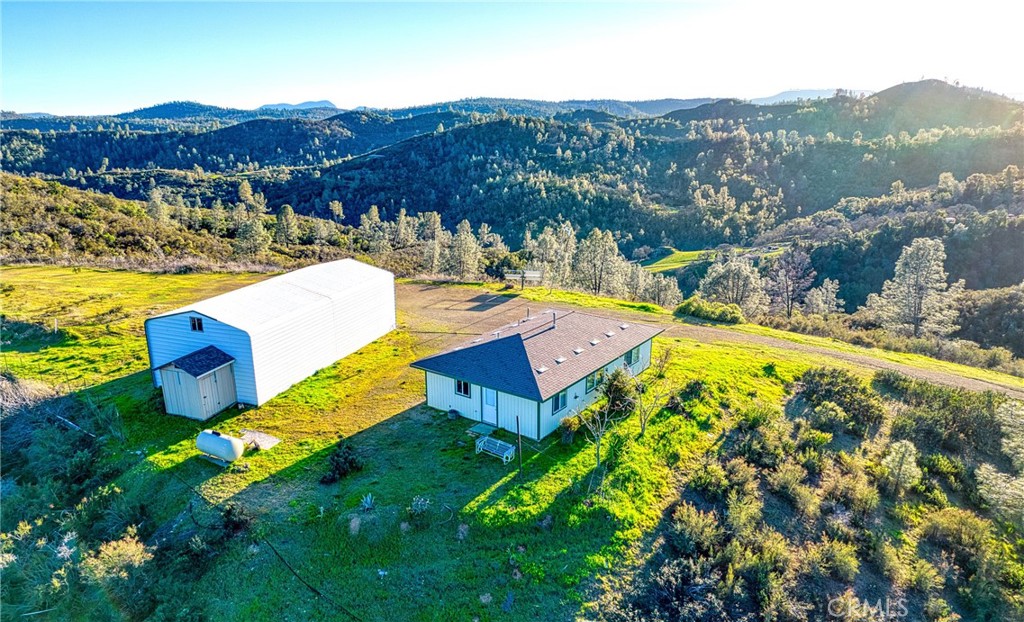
<point>537,357</point>
<point>202,361</point>
<point>259,306</point>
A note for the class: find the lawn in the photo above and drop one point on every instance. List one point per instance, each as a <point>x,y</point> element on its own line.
<point>535,543</point>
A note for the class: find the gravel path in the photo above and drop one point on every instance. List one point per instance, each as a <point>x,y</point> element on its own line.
<point>448,315</point>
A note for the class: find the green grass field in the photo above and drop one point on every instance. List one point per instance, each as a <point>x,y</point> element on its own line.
<point>548,535</point>
<point>671,262</point>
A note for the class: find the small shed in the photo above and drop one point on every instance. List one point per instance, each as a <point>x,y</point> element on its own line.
<point>199,385</point>
<point>250,344</point>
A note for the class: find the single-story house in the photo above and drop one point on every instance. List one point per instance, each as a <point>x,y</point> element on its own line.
<point>538,370</point>
<point>250,344</point>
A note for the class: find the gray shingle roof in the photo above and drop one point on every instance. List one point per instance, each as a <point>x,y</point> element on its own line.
<point>202,361</point>
<point>566,351</point>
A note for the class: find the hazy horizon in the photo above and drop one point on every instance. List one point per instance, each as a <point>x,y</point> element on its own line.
<point>107,58</point>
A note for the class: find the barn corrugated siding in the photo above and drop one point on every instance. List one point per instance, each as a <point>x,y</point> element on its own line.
<point>170,336</point>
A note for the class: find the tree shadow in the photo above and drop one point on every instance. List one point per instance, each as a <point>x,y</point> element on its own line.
<point>26,337</point>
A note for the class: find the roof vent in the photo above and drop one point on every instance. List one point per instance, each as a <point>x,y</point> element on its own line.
<point>541,369</point>
<point>624,326</point>
<point>478,340</point>
<point>595,341</point>
<point>560,360</point>
<point>578,351</point>
<point>609,334</point>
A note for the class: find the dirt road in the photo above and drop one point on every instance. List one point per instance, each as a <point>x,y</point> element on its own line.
<point>457,313</point>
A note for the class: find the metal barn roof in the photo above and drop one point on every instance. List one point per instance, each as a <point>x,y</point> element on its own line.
<point>261,305</point>
<point>536,357</point>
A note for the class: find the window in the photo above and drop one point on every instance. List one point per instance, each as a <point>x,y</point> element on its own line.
<point>594,380</point>
<point>559,401</point>
<point>633,356</point>
<point>462,387</point>
<point>197,324</point>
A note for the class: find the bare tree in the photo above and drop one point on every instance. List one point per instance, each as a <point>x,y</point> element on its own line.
<point>788,280</point>
<point>651,396</point>
<point>620,400</point>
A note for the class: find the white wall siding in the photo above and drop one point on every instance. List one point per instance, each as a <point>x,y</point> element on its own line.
<point>512,406</point>
<point>442,396</point>
<point>170,337</point>
<point>577,396</point>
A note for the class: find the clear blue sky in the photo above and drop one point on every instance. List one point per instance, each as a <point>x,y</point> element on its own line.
<point>105,57</point>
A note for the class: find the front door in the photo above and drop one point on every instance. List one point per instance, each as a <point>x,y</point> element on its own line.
<point>490,409</point>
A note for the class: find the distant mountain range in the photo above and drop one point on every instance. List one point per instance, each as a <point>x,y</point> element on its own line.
<point>323,103</point>
<point>198,116</point>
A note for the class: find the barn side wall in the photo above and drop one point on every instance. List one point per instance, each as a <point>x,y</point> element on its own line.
<point>170,337</point>
<point>293,349</point>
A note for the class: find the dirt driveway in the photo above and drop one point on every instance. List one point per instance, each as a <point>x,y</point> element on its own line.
<point>456,313</point>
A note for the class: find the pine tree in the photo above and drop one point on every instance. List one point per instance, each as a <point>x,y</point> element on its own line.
<point>252,238</point>
<point>464,256</point>
<point>155,206</point>
<point>337,210</point>
<point>286,228</point>
<point>917,300</point>
<point>901,463</point>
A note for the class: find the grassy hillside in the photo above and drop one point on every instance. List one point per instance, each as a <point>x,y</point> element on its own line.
<point>551,542</point>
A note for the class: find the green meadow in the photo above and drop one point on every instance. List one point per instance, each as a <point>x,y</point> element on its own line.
<point>496,542</point>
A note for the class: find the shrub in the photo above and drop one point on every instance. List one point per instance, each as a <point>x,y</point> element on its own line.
<point>765,438</point>
<point>836,559</point>
<point>742,514</point>
<point>961,532</point>
<point>852,489</point>
<point>694,531</point>
<point>742,477</point>
<point>119,568</point>
<point>824,384</point>
<point>696,306</point>
<point>828,416</point>
<point>924,577</point>
<point>957,418</point>
<point>950,469</point>
<point>787,477</point>
<point>710,478</point>
<point>343,460</point>
<point>419,511</point>
<point>892,566</point>
<point>569,426</point>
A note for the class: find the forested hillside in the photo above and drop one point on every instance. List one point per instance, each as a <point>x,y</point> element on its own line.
<point>851,182</point>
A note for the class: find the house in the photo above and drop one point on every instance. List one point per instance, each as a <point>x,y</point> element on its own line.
<point>250,344</point>
<point>538,370</point>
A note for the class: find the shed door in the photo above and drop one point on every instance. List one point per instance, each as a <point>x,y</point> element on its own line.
<point>490,406</point>
<point>217,391</point>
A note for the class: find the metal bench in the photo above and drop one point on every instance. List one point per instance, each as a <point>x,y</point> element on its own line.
<point>500,449</point>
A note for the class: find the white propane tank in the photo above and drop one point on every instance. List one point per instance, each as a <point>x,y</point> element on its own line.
<point>222,446</point>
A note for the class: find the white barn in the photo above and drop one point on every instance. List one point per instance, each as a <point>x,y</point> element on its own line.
<point>538,370</point>
<point>250,344</point>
